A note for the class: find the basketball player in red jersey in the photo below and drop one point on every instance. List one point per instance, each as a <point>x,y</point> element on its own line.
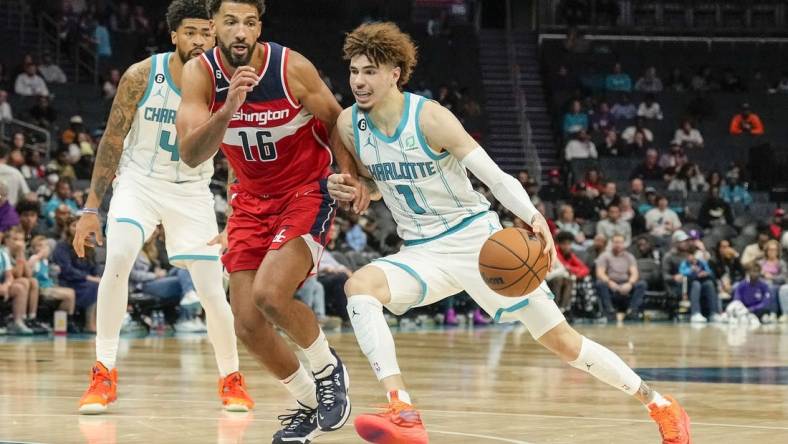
<point>270,112</point>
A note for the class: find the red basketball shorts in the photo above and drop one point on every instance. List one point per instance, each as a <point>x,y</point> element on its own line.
<point>260,223</point>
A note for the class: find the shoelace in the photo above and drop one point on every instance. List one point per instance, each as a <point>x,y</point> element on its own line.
<point>295,419</point>
<point>98,378</point>
<point>232,383</point>
<point>326,391</point>
<point>405,415</point>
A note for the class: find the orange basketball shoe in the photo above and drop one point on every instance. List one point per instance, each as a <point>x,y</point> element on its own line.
<point>673,422</point>
<point>232,390</point>
<point>103,390</point>
<point>400,424</point>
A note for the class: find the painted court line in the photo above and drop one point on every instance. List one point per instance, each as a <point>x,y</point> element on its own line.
<point>473,435</point>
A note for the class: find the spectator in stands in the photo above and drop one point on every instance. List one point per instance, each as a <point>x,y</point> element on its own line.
<point>78,274</point>
<point>673,160</point>
<point>18,142</point>
<point>111,84</point>
<point>16,247</point>
<point>649,83</point>
<point>523,176</point>
<point>101,39</point>
<point>63,215</point>
<point>688,179</point>
<point>731,82</point>
<point>28,219</point>
<point>561,284</point>
<point>700,285</point>
<point>734,192</point>
<point>726,267</point>
<point>5,108</point>
<point>618,281</point>
<point>29,83</point>
<point>756,251</point>
<point>637,191</point>
<point>662,221</point>
<point>576,120</point>
<point>618,80</point>
<point>10,288</point>
<point>649,169</point>
<point>687,136</point>
<point>608,196</point>
<point>777,226</point>
<point>593,180</point>
<point>566,223</point>
<point>774,269</point>
<point>628,212</point>
<point>12,177</point>
<point>756,295</point>
<point>567,256</point>
<point>715,179</point>
<point>629,133</point>
<point>40,269</point>
<point>62,196</point>
<point>644,249</point>
<point>140,22</point>
<point>121,21</point>
<point>8,216</point>
<point>746,122</point>
<point>61,165</point>
<point>580,147</point>
<point>593,251</point>
<point>555,190</point>
<point>611,145</point>
<point>676,82</point>
<point>582,201</point>
<point>75,128</point>
<point>649,108</point>
<point>703,80</point>
<point>603,120</point>
<point>42,114</point>
<point>32,169</point>
<point>648,203</point>
<point>624,109</point>
<point>714,210</point>
<point>51,72</point>
<point>614,225</point>
<point>564,81</point>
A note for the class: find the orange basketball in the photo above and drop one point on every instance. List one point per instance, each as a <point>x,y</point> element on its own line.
<point>511,262</point>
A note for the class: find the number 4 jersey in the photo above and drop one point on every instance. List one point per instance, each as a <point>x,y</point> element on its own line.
<point>272,142</point>
<point>151,146</point>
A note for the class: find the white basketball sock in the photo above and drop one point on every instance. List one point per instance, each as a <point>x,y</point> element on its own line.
<point>606,366</point>
<point>123,246</point>
<point>302,386</point>
<point>207,279</point>
<point>319,356</point>
<point>373,334</point>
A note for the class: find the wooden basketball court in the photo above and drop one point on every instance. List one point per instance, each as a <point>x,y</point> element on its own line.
<point>492,385</point>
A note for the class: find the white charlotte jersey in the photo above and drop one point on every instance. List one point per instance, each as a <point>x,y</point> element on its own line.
<point>429,193</point>
<point>151,147</point>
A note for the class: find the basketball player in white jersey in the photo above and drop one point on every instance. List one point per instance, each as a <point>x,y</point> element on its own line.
<point>154,187</point>
<point>416,153</point>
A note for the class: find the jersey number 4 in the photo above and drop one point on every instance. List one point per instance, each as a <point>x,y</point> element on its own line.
<point>266,149</point>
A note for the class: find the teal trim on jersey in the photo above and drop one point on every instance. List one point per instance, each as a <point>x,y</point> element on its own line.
<point>194,257</point>
<point>465,222</point>
<point>402,122</point>
<point>518,306</point>
<point>168,75</point>
<point>424,146</point>
<point>354,110</point>
<point>126,220</point>
<point>413,273</point>
<point>151,81</point>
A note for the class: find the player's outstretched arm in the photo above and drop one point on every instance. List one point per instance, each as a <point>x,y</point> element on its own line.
<point>444,132</point>
<point>201,133</point>
<point>130,91</point>
<point>308,88</point>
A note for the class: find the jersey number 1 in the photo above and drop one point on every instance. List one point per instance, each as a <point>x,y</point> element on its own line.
<point>266,150</point>
<point>410,199</point>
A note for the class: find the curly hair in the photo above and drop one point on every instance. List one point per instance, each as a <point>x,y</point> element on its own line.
<point>180,10</point>
<point>214,5</point>
<point>383,43</point>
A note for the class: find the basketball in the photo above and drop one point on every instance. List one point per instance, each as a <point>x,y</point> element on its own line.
<point>511,262</point>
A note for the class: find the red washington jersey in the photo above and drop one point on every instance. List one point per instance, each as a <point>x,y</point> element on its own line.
<point>272,142</point>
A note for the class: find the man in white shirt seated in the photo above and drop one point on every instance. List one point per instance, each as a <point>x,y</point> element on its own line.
<point>580,147</point>
<point>29,83</point>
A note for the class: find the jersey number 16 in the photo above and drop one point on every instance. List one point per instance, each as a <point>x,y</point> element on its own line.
<point>266,149</point>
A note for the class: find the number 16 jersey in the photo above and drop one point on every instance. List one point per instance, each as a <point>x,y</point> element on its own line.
<point>272,142</point>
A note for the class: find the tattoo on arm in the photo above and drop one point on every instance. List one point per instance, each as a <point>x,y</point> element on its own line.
<point>132,87</point>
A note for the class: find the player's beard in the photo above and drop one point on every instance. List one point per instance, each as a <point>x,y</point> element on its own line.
<point>232,58</point>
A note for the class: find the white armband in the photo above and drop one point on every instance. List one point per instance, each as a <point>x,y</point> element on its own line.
<point>504,187</point>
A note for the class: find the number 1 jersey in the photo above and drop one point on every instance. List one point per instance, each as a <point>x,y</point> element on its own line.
<point>272,142</point>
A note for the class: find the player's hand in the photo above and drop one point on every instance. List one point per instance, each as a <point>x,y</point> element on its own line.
<point>87,225</point>
<point>244,80</point>
<point>220,239</point>
<point>342,187</point>
<point>540,228</point>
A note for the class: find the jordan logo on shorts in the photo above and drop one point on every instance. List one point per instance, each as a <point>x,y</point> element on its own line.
<point>279,238</point>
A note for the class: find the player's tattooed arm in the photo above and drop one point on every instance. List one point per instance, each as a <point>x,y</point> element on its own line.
<point>130,91</point>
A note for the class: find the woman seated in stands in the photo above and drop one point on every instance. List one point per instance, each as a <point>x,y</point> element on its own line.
<point>79,274</point>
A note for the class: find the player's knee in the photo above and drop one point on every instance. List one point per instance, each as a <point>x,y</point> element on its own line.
<point>268,300</point>
<point>244,329</point>
<point>564,341</point>
<point>119,262</point>
<point>367,282</point>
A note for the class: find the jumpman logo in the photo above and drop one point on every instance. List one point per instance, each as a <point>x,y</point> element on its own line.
<point>370,142</point>
<point>159,93</point>
<point>588,366</point>
<point>355,313</point>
